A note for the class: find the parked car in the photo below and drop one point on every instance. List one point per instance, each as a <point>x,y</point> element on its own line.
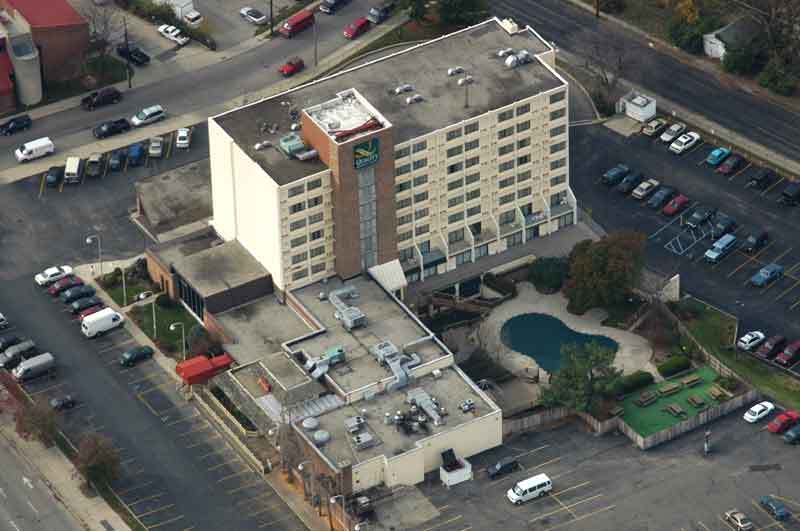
<point>78,292</point>
<point>291,67</point>
<point>134,54</point>
<point>790,195</point>
<point>762,178</point>
<point>629,182</point>
<point>3,322</point>
<point>766,275</point>
<point>135,355</point>
<point>16,124</point>
<point>731,165</point>
<point>758,412</point>
<point>717,155</point>
<point>790,354</point>
<point>111,128</point>
<point>156,147</point>
<point>676,206</point>
<point>183,138</point>
<point>684,143</point>
<point>738,520</point>
<point>95,165</point>
<point>775,508</point>
<point>174,34</point>
<point>104,96</point>
<point>701,214</point>
<point>615,175</point>
<point>117,159</point>
<point>54,175</point>
<point>83,314</point>
<point>8,341</point>
<point>673,132</point>
<point>332,6</point>
<point>771,347</point>
<point>751,340</point>
<point>136,154</point>
<point>654,127</point>
<point>661,197</point>
<point>792,436</point>
<point>501,468</point>
<point>64,284</point>
<point>148,115</point>
<point>253,16</point>
<point>381,12</point>
<point>83,303</point>
<point>52,274</point>
<point>645,189</point>
<point>723,224</point>
<point>356,28</point>
<point>784,421</point>
<point>61,403</point>
<point>755,241</point>
<point>15,354</point>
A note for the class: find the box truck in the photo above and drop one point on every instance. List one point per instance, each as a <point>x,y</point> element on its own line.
<point>101,322</point>
<point>185,11</point>
<point>34,367</point>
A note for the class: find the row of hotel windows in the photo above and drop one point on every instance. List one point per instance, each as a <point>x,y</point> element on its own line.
<point>303,273</point>
<point>311,220</point>
<point>302,257</point>
<point>302,205</point>
<point>299,189</point>
<point>301,240</point>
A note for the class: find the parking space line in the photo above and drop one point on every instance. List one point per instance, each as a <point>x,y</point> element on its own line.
<point>166,385</point>
<point>156,374</point>
<point>440,524</point>
<point>787,290</point>
<point>112,347</point>
<point>220,465</point>
<point>695,148</point>
<point>565,507</point>
<point>209,454</point>
<point>127,461</point>
<point>41,187</point>
<point>174,422</point>
<point>787,500</point>
<point>194,430</point>
<point>704,526</point>
<point>727,524</point>
<point>147,405</point>
<point>246,486</point>
<point>765,512</point>
<point>750,258</point>
<point>579,485</point>
<point>45,389</point>
<point>235,474</point>
<point>585,516</point>
<point>523,454</point>
<point>61,187</point>
<point>131,489</point>
<point>165,522</point>
<point>773,185</point>
<point>157,510</point>
<point>147,498</point>
<point>532,467</point>
<point>265,508</point>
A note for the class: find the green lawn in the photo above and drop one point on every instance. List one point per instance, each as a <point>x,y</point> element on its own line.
<point>132,289</point>
<point>652,419</point>
<point>167,340</point>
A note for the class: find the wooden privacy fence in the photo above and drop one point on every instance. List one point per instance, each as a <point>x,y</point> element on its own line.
<point>533,421</point>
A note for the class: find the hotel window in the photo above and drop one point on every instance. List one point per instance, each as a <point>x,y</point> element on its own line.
<point>504,150</point>
<point>403,203</point>
<point>299,224</point>
<point>297,275</point>
<point>555,98</point>
<point>315,218</point>
<point>472,144</point>
<point>505,166</point>
<point>317,251</point>
<point>402,220</point>
<point>424,247</point>
<point>471,128</point>
<point>473,194</point>
<point>481,251</point>
<point>421,213</point>
<point>525,142</point>
<point>556,164</point>
<point>455,236</point>
<point>296,190</point>
<point>472,178</point>
<point>454,151</point>
<point>419,164</point>
<point>522,109</point>
<point>505,133</point>
<point>317,268</point>
<point>419,180</point>
<point>314,201</point>
<point>297,207</point>
<point>402,152</point>
<point>317,234</point>
<point>560,113</point>
<point>455,183</point>
<point>458,166</point>
<point>523,176</point>
<point>407,254</point>
<point>297,258</point>
<point>463,258</point>
<point>506,199</point>
<point>420,146</point>
<point>508,181</point>
<point>403,236</point>
<point>422,229</point>
<point>452,135</point>
<point>555,148</point>
<point>524,159</point>
<point>507,217</point>
<point>455,218</point>
<point>560,130</point>
<point>402,170</point>
<point>505,115</point>
<point>523,126</point>
<point>522,192</point>
<point>472,161</point>
<point>422,196</point>
<point>514,240</point>
<point>313,185</point>
<point>402,187</point>
<point>296,242</point>
<point>558,179</point>
<point>453,201</point>
<point>472,211</point>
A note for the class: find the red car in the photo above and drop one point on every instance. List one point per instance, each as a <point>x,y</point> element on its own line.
<point>790,355</point>
<point>770,347</point>
<point>676,206</point>
<point>359,26</point>
<point>64,284</point>
<point>291,67</point>
<point>783,422</point>
<point>89,311</point>
<point>731,165</point>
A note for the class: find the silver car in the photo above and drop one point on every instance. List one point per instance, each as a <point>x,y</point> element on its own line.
<point>156,148</point>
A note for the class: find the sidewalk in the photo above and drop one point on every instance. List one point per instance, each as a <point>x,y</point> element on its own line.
<point>59,475</point>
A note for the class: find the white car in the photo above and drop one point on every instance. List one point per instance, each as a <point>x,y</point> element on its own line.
<point>674,131</point>
<point>253,15</point>
<point>174,34</point>
<point>751,340</point>
<point>183,138</point>
<point>52,274</point>
<point>684,143</point>
<point>758,412</point>
<point>646,188</point>
<point>156,148</point>
<point>3,321</point>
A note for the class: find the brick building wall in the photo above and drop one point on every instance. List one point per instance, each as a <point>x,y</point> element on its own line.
<point>61,50</point>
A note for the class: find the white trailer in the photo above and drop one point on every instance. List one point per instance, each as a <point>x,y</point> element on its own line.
<point>101,322</point>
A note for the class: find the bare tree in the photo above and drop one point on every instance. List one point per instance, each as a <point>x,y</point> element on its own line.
<point>609,61</point>
<point>36,420</point>
<point>97,459</point>
<point>104,23</point>
<point>781,22</point>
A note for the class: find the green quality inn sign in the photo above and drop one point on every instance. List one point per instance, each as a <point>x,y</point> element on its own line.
<point>365,154</point>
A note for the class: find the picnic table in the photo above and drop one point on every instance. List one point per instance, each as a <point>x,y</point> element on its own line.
<point>670,388</point>
<point>697,401</point>
<point>646,398</point>
<point>691,381</point>
<point>718,393</point>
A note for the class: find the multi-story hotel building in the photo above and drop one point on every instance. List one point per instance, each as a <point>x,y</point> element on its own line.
<point>439,155</point>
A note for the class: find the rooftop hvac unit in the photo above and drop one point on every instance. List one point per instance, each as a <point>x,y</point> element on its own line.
<point>362,441</point>
<point>416,98</point>
<point>383,350</point>
<point>321,437</point>
<point>403,88</point>
<point>352,318</point>
<point>292,144</point>
<point>455,70</point>
<point>307,155</point>
<point>354,424</point>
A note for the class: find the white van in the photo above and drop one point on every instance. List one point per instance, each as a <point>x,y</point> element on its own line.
<point>530,488</point>
<point>147,115</point>
<point>101,322</point>
<point>34,367</point>
<point>72,170</point>
<point>34,149</point>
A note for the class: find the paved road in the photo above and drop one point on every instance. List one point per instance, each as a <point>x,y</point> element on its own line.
<point>195,91</point>
<point>577,31</point>
<point>26,504</point>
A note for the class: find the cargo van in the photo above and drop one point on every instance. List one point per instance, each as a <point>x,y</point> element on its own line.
<point>34,367</point>
<point>720,248</point>
<point>72,170</point>
<point>34,149</point>
<point>298,22</point>
<point>14,354</point>
<point>101,322</point>
<point>530,488</point>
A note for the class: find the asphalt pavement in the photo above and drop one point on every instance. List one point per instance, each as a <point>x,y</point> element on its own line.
<point>578,32</point>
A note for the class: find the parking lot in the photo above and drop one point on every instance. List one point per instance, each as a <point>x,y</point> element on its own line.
<point>673,247</point>
<point>604,483</point>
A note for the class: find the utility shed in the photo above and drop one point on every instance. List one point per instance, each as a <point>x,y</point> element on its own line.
<point>738,34</point>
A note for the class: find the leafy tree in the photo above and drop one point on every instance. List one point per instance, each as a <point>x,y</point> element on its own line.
<point>462,12</point>
<point>586,375</point>
<point>417,9</point>
<point>37,420</point>
<point>603,273</point>
<point>97,459</point>
<point>777,76</point>
<point>548,273</point>
<point>688,10</point>
<point>743,61</point>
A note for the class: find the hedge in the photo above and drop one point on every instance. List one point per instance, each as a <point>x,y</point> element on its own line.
<point>634,381</point>
<point>548,274</point>
<point>500,284</point>
<point>674,365</point>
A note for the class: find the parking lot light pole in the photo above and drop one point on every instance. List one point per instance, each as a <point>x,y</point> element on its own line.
<point>175,326</point>
<point>155,329</point>
<point>96,238</point>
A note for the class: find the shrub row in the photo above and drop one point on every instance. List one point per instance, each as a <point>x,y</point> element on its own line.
<point>674,365</point>
<point>500,284</point>
<point>633,382</point>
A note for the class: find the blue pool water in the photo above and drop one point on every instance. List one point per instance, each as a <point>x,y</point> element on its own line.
<point>541,336</point>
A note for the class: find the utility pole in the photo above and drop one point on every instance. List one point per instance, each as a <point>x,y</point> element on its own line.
<point>316,42</point>
<point>271,20</point>
<point>128,69</point>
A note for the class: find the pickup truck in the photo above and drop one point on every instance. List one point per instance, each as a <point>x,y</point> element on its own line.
<point>101,97</point>
<point>114,127</point>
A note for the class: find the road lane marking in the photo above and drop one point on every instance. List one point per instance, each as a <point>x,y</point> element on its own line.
<point>247,501</point>
<point>585,516</point>
<point>740,171</point>
<point>440,524</point>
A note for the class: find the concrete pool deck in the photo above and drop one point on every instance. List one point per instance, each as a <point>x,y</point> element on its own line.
<point>634,351</point>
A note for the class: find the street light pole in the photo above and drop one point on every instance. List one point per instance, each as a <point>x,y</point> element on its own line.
<point>89,240</point>
<point>172,327</point>
<point>128,68</point>
<point>124,291</point>
<point>271,20</point>
<point>316,44</point>
<point>155,329</point>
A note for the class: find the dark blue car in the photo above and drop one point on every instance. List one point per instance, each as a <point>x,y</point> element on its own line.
<point>766,275</point>
<point>775,508</point>
<point>136,154</point>
<point>613,176</point>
